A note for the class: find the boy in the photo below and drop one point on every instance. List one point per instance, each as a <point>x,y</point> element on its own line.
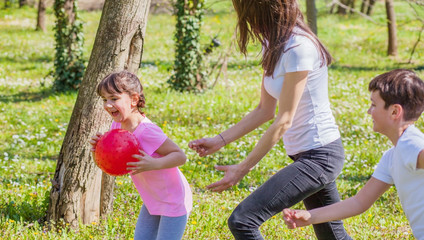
<point>397,101</point>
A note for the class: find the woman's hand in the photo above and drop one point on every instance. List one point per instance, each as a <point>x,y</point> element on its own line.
<point>206,146</point>
<point>145,163</point>
<point>94,140</point>
<point>233,174</point>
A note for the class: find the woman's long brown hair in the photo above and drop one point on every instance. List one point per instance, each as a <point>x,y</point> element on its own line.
<point>271,22</point>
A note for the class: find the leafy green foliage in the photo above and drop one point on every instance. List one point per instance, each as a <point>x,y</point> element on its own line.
<point>188,73</point>
<point>68,63</point>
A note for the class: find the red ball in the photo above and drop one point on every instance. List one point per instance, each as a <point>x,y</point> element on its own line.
<point>114,149</point>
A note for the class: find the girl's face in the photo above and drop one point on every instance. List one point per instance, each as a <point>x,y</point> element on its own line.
<point>120,106</point>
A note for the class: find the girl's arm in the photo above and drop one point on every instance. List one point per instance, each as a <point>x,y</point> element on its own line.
<point>172,156</point>
<point>355,205</point>
<point>264,112</point>
<point>292,90</point>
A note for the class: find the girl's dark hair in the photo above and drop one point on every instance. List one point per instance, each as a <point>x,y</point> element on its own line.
<point>403,87</point>
<point>120,82</point>
<point>271,22</point>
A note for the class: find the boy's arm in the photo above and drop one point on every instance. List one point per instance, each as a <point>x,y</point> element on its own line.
<point>355,205</point>
<point>420,162</point>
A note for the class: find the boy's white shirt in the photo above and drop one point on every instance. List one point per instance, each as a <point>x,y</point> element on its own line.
<point>398,166</point>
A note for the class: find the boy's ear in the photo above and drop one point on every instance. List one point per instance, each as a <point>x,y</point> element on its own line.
<point>397,111</point>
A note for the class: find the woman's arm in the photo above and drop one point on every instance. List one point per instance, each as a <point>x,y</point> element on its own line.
<point>292,90</point>
<point>420,161</point>
<point>172,156</point>
<point>264,112</point>
<point>353,206</point>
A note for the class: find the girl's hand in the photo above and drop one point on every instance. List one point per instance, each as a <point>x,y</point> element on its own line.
<point>233,174</point>
<point>206,146</point>
<point>94,140</point>
<point>145,163</point>
<point>296,218</point>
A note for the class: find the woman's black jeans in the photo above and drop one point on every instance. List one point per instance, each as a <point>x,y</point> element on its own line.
<point>311,178</point>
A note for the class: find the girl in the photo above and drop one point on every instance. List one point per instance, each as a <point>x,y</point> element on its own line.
<point>295,77</point>
<point>165,192</point>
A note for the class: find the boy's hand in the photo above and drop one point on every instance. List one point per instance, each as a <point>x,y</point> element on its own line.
<point>296,218</point>
<point>145,163</point>
<point>94,140</point>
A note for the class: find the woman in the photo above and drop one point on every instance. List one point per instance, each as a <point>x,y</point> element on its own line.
<point>296,78</point>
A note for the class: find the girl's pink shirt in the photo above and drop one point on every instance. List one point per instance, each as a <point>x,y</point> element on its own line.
<point>165,192</point>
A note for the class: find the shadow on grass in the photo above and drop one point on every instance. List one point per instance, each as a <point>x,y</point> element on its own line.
<point>27,96</point>
<point>31,59</point>
<point>356,178</point>
<point>233,65</point>
<point>25,211</point>
<point>160,64</point>
<point>336,66</point>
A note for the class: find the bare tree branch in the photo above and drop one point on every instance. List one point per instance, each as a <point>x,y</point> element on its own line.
<point>416,43</point>
<point>337,2</point>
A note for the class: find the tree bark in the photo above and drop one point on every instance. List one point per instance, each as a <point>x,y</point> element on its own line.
<point>367,6</point>
<point>391,26</point>
<point>311,15</point>
<point>370,7</point>
<point>41,16</point>
<point>341,10</point>
<point>23,3</point>
<point>80,191</point>
<point>364,6</point>
<point>69,11</point>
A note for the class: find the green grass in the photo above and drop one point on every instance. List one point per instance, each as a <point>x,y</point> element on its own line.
<point>33,122</point>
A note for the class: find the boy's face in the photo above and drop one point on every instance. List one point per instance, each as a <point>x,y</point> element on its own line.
<point>380,115</point>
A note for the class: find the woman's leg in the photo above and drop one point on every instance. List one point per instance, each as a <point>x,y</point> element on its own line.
<point>327,196</point>
<point>284,189</point>
<point>171,228</point>
<point>332,161</point>
<point>289,186</point>
<point>147,225</point>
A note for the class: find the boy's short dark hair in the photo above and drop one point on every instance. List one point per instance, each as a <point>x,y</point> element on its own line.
<point>403,87</point>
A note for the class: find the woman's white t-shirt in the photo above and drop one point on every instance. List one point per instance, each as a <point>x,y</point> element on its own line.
<point>313,124</point>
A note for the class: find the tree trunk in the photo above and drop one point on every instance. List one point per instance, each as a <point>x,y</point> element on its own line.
<point>391,26</point>
<point>41,16</point>
<point>370,7</point>
<point>341,10</point>
<point>311,15</point>
<point>69,11</point>
<point>23,3</point>
<point>80,191</point>
<point>367,6</point>
<point>352,6</point>
<point>364,6</point>
<point>347,7</point>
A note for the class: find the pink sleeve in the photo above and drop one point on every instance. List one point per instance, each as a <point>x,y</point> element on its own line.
<point>115,125</point>
<point>152,138</point>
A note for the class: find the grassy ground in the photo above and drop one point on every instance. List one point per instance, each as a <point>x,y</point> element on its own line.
<point>33,122</point>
